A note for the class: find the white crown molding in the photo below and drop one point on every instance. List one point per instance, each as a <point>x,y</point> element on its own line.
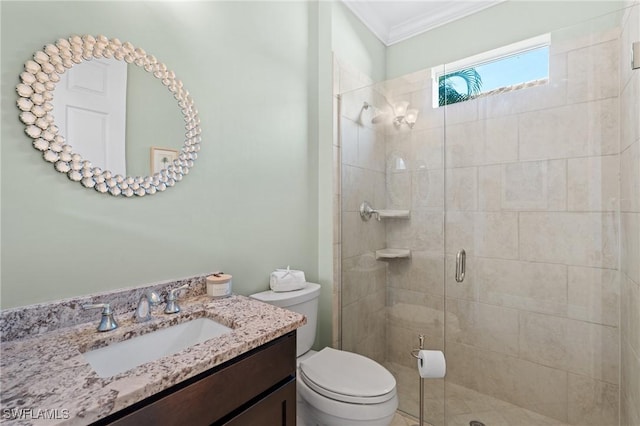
<point>439,13</point>
<point>370,18</point>
<point>443,15</point>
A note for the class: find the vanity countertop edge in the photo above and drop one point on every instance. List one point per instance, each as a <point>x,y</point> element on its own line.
<point>49,372</point>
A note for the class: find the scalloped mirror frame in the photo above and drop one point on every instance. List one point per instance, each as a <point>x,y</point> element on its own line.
<point>38,81</point>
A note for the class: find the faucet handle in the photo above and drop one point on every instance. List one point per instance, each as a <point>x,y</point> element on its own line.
<point>147,301</point>
<point>153,297</point>
<point>107,322</point>
<point>172,296</point>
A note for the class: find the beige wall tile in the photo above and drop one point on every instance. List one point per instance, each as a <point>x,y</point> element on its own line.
<point>423,272</point>
<point>399,189</point>
<point>424,232</point>
<point>629,112</point>
<point>464,143</point>
<point>593,295</point>
<point>630,33</point>
<point>630,313</point>
<point>371,149</point>
<point>362,275</point>
<point>550,95</point>
<point>360,237</point>
<point>350,314</point>
<point>417,311</point>
<point>427,148</point>
<point>593,183</point>
<point>629,383</point>
<point>594,350</point>
<point>496,235</point>
<point>428,189</point>
<point>357,187</point>
<point>537,287</point>
<point>575,346</point>
<point>429,117</point>
<point>337,169</point>
<point>535,185</point>
<point>592,402</point>
<point>501,140</point>
<point>490,188</point>
<point>584,129</point>
<point>629,411</point>
<point>348,141</point>
<point>460,232</point>
<point>337,217</point>
<point>581,239</point>
<point>462,188</point>
<point>484,326</point>
<point>379,182</point>
<point>630,178</point>
<point>593,72</point>
<point>630,245</point>
<point>461,112</point>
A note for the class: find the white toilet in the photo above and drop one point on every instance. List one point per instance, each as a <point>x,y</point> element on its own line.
<point>335,388</point>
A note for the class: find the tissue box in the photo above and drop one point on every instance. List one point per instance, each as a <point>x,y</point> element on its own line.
<point>287,280</point>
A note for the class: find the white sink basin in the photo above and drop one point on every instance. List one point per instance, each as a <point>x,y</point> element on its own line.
<point>122,356</point>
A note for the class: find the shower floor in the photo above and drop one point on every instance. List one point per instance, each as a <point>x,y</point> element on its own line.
<point>476,406</point>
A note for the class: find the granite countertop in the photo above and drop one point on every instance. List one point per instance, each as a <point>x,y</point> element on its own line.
<point>48,371</point>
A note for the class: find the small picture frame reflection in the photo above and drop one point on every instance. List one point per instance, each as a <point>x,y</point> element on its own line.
<point>161,158</point>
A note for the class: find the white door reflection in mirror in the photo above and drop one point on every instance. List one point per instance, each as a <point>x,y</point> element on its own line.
<point>90,103</point>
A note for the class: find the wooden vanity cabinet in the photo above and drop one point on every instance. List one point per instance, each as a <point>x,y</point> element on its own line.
<point>256,388</point>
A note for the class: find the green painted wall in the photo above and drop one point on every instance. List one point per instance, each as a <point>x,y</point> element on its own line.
<point>148,104</point>
<point>353,43</point>
<point>497,26</point>
<point>249,205</point>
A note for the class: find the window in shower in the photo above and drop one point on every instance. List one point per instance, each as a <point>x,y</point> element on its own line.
<point>511,67</point>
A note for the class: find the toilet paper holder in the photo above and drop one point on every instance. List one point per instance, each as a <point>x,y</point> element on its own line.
<point>414,353</point>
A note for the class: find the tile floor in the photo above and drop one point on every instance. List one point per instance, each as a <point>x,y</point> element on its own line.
<point>492,412</point>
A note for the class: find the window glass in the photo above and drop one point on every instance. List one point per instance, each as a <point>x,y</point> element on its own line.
<point>509,66</point>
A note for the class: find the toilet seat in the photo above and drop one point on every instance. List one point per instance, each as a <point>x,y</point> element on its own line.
<point>347,377</point>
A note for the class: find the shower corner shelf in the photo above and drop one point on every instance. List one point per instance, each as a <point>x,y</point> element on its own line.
<point>393,253</point>
<point>394,214</point>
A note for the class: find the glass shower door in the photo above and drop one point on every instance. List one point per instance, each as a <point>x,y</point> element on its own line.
<point>526,180</point>
<point>531,177</point>
<point>392,269</point>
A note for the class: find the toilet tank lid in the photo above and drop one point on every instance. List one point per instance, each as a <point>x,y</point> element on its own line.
<point>288,298</point>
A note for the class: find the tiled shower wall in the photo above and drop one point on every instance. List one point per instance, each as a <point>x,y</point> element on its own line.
<point>359,155</point>
<point>629,223</point>
<point>532,196</point>
<point>535,178</point>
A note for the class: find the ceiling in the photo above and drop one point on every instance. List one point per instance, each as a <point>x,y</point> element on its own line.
<point>394,21</point>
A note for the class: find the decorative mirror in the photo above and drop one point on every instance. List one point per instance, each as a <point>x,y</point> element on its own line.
<point>36,95</point>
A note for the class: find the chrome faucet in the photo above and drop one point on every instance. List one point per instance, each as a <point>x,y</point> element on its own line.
<point>107,322</point>
<point>147,301</point>
<point>172,300</point>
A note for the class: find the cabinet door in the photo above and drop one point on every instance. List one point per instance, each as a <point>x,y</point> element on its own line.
<point>211,398</point>
<point>277,409</point>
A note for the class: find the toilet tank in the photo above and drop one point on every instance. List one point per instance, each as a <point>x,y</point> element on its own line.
<point>305,302</point>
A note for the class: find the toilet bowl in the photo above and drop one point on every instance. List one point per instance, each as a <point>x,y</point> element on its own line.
<point>335,388</point>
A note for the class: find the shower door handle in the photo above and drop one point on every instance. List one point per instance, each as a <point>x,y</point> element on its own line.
<point>461,260</point>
